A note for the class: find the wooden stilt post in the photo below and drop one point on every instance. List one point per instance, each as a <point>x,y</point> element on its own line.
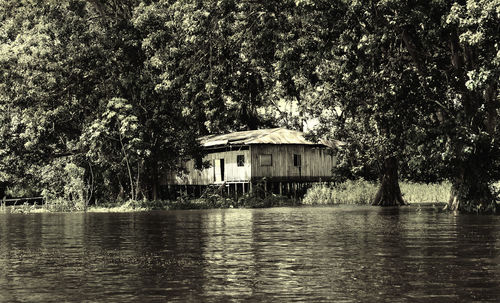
<point>281,189</point>
<point>236,191</point>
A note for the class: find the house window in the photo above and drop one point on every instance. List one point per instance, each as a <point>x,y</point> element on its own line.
<point>297,160</point>
<point>240,160</point>
<point>266,160</point>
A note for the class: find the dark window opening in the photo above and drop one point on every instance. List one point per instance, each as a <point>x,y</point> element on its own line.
<point>240,160</point>
<point>297,160</point>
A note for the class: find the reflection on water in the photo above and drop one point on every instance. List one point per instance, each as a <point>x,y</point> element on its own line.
<point>338,254</point>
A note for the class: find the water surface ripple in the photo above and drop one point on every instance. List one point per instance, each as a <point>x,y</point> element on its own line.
<point>335,254</point>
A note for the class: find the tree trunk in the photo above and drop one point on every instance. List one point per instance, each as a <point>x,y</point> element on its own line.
<point>470,194</point>
<point>155,181</point>
<point>3,186</point>
<point>389,193</point>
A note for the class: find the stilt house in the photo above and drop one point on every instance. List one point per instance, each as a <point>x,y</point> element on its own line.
<point>244,158</point>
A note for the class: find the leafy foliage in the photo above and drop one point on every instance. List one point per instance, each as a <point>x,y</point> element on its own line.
<point>74,84</point>
<point>109,94</point>
<point>417,82</point>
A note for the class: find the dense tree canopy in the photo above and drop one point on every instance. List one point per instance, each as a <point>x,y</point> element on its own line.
<point>417,82</point>
<point>97,98</point>
<point>75,86</point>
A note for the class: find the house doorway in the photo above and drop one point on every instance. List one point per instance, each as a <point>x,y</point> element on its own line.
<point>222,169</point>
<point>219,168</point>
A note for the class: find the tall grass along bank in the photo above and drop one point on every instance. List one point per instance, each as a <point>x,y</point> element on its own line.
<point>425,193</point>
<point>363,192</point>
<point>349,192</point>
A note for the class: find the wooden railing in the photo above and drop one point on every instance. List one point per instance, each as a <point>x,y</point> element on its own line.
<point>18,201</point>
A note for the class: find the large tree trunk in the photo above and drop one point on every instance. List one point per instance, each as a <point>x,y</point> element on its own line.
<point>470,194</point>
<point>389,193</point>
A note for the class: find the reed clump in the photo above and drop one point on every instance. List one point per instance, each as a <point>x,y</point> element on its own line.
<point>425,193</point>
<point>348,192</point>
<point>363,192</point>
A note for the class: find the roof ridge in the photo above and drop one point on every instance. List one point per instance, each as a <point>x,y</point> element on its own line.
<point>276,135</point>
<point>266,134</point>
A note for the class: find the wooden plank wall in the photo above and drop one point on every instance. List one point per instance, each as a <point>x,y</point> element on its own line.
<point>211,175</point>
<point>316,161</point>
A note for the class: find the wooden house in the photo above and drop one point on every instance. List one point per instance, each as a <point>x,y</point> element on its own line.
<point>279,157</point>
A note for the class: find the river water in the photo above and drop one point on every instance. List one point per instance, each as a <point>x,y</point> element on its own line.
<point>334,254</point>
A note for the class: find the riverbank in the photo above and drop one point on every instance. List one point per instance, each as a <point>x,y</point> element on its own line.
<point>211,201</point>
<point>350,192</point>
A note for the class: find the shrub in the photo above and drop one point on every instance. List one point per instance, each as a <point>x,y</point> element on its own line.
<point>63,186</point>
<point>58,204</point>
<point>252,200</point>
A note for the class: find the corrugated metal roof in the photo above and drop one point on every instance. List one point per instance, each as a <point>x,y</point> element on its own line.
<point>260,136</point>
